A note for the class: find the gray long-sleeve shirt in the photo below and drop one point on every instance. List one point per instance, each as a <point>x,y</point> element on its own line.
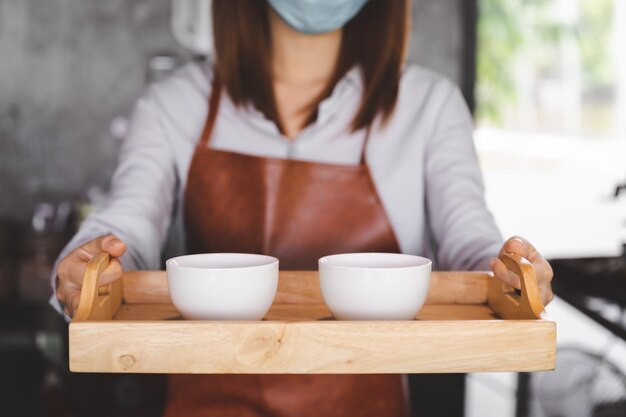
<point>423,163</point>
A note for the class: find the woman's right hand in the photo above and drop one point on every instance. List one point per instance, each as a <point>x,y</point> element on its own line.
<point>71,269</point>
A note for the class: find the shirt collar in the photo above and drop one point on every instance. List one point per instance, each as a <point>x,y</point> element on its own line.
<point>348,85</point>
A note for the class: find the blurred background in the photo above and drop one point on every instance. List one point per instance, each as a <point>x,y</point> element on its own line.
<point>546,80</point>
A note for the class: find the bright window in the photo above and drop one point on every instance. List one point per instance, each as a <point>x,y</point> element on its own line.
<point>551,121</point>
<point>553,66</point>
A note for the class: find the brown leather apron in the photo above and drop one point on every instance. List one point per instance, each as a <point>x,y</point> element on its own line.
<point>296,211</point>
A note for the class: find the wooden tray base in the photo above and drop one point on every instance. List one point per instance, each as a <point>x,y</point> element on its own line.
<point>470,323</point>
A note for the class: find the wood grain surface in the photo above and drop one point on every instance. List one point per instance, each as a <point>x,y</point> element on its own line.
<point>302,287</point>
<point>98,302</point>
<point>503,299</point>
<point>471,323</point>
<point>309,312</point>
<point>312,347</point>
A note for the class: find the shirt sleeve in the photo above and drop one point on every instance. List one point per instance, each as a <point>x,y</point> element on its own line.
<point>465,233</point>
<point>143,188</point>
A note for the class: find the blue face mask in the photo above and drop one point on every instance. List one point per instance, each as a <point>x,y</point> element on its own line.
<point>316,16</point>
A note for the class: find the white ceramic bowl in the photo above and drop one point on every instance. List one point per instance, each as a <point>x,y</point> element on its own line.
<point>374,286</point>
<point>222,286</point>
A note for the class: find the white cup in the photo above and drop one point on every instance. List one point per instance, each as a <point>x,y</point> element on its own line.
<point>222,286</point>
<point>374,286</point>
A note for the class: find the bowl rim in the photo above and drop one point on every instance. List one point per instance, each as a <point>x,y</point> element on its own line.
<point>171,262</point>
<point>325,261</point>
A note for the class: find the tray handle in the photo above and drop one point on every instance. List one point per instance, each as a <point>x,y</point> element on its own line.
<point>505,301</point>
<point>98,302</point>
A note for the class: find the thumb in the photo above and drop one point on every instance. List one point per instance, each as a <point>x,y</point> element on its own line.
<point>518,246</point>
<point>113,246</point>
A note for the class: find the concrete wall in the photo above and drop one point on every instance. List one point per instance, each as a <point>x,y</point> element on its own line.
<point>437,36</point>
<point>68,67</point>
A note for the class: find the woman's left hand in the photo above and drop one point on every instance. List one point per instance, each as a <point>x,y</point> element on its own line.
<point>543,270</point>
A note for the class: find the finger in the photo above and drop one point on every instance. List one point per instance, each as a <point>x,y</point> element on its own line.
<point>69,293</point>
<point>73,266</point>
<point>108,243</point>
<point>69,300</point>
<point>112,272</point>
<point>113,246</point>
<point>504,274</point>
<point>543,271</point>
<point>60,293</point>
<point>522,247</point>
<point>544,275</point>
<point>69,287</point>
<point>519,246</point>
<point>71,270</point>
<point>73,301</point>
<point>546,294</point>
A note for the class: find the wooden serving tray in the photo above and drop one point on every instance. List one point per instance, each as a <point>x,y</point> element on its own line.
<point>471,323</point>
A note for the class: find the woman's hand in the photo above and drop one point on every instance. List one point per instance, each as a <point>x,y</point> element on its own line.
<point>543,270</point>
<point>71,269</point>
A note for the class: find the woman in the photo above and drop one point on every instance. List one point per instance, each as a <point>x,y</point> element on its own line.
<point>306,136</point>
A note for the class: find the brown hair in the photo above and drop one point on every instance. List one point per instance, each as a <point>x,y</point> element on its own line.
<point>374,40</point>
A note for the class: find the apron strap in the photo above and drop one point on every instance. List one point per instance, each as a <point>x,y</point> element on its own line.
<point>214,104</point>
